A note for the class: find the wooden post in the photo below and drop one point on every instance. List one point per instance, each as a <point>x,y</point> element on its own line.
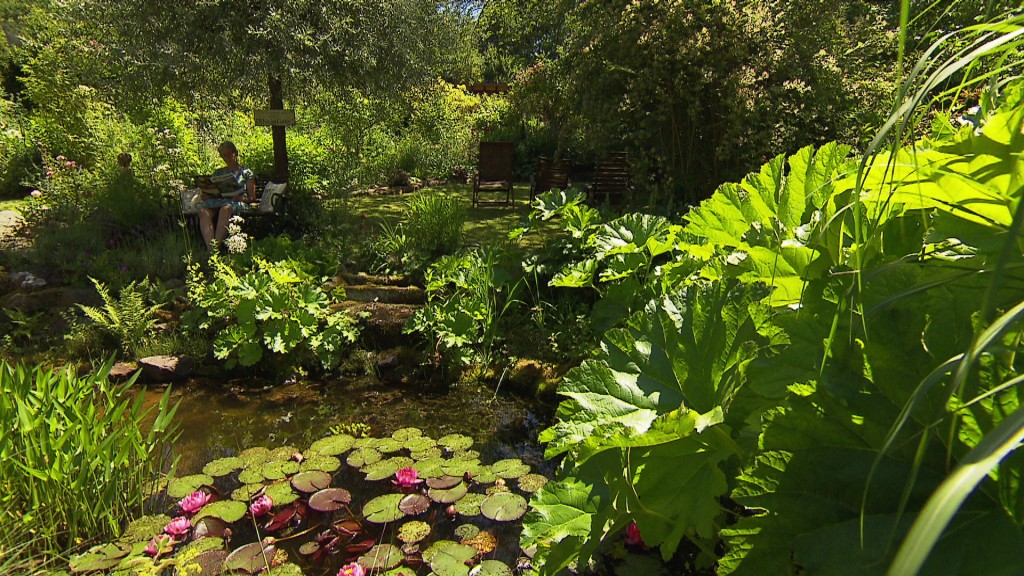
<point>277,133</point>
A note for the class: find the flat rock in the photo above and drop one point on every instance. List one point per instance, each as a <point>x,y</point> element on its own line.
<point>386,294</point>
<point>122,371</point>
<point>165,368</point>
<point>362,278</point>
<point>10,222</point>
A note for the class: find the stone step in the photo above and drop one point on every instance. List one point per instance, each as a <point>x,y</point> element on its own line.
<point>386,294</point>
<point>364,278</point>
<point>382,324</point>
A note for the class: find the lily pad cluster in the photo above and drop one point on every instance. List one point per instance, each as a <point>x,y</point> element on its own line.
<point>426,506</point>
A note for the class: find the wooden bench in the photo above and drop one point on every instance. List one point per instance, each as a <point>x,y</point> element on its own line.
<point>612,184</point>
<point>550,174</point>
<point>270,206</point>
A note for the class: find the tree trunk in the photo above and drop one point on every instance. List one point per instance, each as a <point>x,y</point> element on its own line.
<point>280,147</point>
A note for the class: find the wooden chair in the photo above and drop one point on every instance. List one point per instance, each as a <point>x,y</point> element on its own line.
<point>494,172</point>
<point>550,174</point>
<point>612,184</point>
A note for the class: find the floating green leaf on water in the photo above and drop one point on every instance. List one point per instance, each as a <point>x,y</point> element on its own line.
<point>413,504</point>
<point>469,505</point>
<point>320,463</point>
<point>404,434</point>
<point>255,455</point>
<point>503,507</point>
<point>444,482</point>
<point>330,499</point>
<point>429,468</point>
<point>332,445</point>
<point>249,558</point>
<point>413,531</point>
<point>312,481</point>
<point>491,568</point>
<point>209,562</point>
<point>420,443</point>
<point>363,456</point>
<point>386,445</point>
<point>466,531</point>
<point>251,476</point>
<point>435,547</point>
<point>223,466</point>
<point>287,569</point>
<point>281,493</point>
<point>383,509</point>
<point>455,442</point>
<point>245,492</point>
<point>100,557</point>
<point>363,442</point>
<point>197,547</point>
<point>181,487</point>
<point>448,495</point>
<point>497,489</point>
<point>386,468</point>
<point>381,557</point>
<point>484,475</point>
<point>309,548</point>
<point>226,510</point>
<point>279,469</point>
<point>466,455</point>
<point>460,467</point>
<point>532,482</point>
<point>431,453</point>
<point>210,527</point>
<point>451,560</point>
<point>510,468</point>
<point>284,452</point>
<point>145,528</point>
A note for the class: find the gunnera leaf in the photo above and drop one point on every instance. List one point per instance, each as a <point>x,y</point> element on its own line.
<point>532,482</point>
<point>249,558</point>
<point>455,442</point>
<point>413,504</point>
<point>226,510</point>
<point>503,507</point>
<point>451,560</point>
<point>491,568</point>
<point>181,487</point>
<point>246,492</point>
<point>381,557</point>
<point>362,457</point>
<point>100,557</point>
<point>279,469</point>
<point>145,528</point>
<point>510,468</point>
<point>320,463</point>
<point>469,505</point>
<point>383,509</point>
<point>386,468</point>
<point>330,499</point>
<point>281,493</point>
<point>332,445</point>
<point>404,434</point>
<point>448,495</point>
<point>413,531</point>
<point>223,466</point>
<point>312,481</point>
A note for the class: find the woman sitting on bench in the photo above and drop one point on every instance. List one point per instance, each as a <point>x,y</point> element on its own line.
<point>225,194</point>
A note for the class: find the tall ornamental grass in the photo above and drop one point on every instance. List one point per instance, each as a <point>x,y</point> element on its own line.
<point>75,457</point>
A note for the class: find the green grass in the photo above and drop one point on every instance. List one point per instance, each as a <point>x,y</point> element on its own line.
<point>484,225</point>
<point>16,204</point>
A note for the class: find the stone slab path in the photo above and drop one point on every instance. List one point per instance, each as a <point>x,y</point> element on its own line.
<point>9,222</point>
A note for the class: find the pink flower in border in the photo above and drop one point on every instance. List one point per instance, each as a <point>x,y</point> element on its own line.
<point>178,527</point>
<point>633,537</point>
<point>157,544</point>
<point>406,478</point>
<point>352,569</point>
<point>261,506</point>
<point>195,501</point>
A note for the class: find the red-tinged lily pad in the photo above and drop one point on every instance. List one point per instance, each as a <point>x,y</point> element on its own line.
<point>281,493</point>
<point>363,456</point>
<point>312,481</point>
<point>330,499</point>
<point>504,506</point>
<point>491,568</point>
<point>448,495</point>
<point>321,463</point>
<point>181,487</point>
<point>360,547</point>
<point>249,559</point>
<point>455,442</point>
<point>469,505</point>
<point>210,528</point>
<point>386,468</point>
<point>281,519</point>
<point>413,504</point>
<point>404,434</point>
<point>451,560</point>
<point>510,468</point>
<point>223,466</point>
<point>414,531</point>
<point>381,557</point>
<point>383,509</point>
<point>226,510</point>
<point>444,482</point>
<point>332,445</point>
<point>100,557</point>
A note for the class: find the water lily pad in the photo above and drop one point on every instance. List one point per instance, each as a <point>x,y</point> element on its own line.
<point>413,504</point>
<point>100,557</point>
<point>279,469</point>
<point>386,468</point>
<point>469,505</point>
<point>255,455</point>
<point>281,493</point>
<point>330,499</point>
<point>429,468</point>
<point>491,568</point>
<point>383,509</point>
<point>320,463</point>
<point>251,476</point>
<point>197,547</point>
<point>332,445</point>
<point>284,452</point>
<point>207,563</point>
<point>430,453</point>
<point>386,445</point>
<point>181,487</point>
<point>309,548</point>
<point>223,466</point>
<point>312,481</point>
<point>362,457</point>
<point>404,434</point>
<point>466,455</point>
<point>287,569</point>
<point>249,558</point>
<point>504,507</point>
<point>210,528</point>
<point>451,560</point>
<point>532,482</point>
<point>413,531</point>
<point>145,528</point>
<point>381,557</point>
<point>466,531</point>
<point>246,492</point>
<point>510,468</point>
<point>484,542</point>
<point>226,510</point>
<point>460,467</point>
<point>433,548</point>
<point>444,482</point>
<point>448,495</point>
<point>455,442</point>
<point>498,489</point>
<point>484,475</point>
<point>419,443</point>
<point>363,442</point>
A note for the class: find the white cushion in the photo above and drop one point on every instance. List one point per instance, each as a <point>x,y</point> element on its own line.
<point>190,200</point>
<point>271,190</point>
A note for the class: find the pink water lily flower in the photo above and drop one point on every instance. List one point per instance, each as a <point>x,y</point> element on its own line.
<point>352,569</point>
<point>180,526</point>
<point>406,478</point>
<point>261,506</point>
<point>157,544</point>
<point>194,502</point>
<point>633,537</point>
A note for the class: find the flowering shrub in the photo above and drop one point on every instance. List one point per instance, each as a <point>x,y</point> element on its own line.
<point>64,194</point>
